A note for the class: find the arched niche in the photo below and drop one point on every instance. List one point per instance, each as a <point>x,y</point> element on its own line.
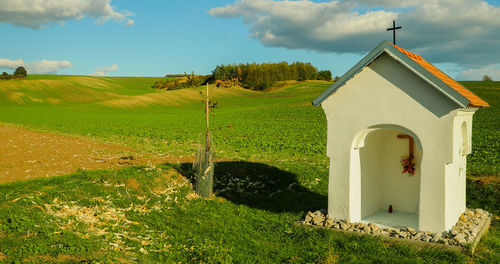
<point>464,150</point>
<point>377,180</point>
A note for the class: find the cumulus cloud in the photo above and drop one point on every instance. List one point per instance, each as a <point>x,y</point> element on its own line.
<point>104,71</point>
<point>465,32</point>
<point>46,66</point>
<point>477,74</point>
<point>37,14</point>
<point>11,64</point>
<point>36,67</point>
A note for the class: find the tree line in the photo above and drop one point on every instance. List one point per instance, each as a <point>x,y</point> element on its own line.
<point>251,76</point>
<point>19,72</point>
<point>263,76</point>
<point>180,81</point>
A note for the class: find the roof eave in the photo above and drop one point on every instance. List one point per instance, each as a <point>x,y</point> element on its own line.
<point>430,78</point>
<point>385,46</point>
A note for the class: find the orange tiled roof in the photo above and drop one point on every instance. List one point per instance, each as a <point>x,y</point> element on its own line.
<point>474,99</point>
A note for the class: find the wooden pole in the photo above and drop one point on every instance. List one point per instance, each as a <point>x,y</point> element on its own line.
<point>411,146</point>
<point>207,141</point>
<point>410,143</point>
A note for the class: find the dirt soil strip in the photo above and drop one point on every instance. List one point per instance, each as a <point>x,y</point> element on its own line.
<point>27,154</point>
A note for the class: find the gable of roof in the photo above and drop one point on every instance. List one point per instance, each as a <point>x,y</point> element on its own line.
<point>428,72</point>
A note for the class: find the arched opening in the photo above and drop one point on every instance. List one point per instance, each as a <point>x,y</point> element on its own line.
<point>465,140</point>
<point>376,162</point>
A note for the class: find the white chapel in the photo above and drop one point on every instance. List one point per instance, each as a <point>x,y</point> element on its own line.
<point>399,131</point>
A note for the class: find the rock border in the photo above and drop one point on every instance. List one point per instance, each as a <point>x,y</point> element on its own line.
<point>463,237</point>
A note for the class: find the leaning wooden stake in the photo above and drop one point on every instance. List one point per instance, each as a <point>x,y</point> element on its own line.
<point>207,111</point>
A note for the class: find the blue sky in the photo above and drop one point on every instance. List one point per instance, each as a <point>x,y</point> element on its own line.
<point>175,36</point>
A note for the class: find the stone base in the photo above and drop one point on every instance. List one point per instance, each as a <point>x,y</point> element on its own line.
<point>464,236</point>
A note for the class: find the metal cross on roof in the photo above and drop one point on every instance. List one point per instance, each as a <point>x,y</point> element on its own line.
<point>394,28</point>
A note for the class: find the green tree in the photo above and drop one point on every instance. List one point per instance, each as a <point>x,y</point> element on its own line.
<point>21,72</point>
<point>487,78</point>
<point>192,79</point>
<point>325,75</point>
<point>5,76</point>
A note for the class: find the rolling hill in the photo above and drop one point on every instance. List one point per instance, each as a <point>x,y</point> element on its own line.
<point>60,89</point>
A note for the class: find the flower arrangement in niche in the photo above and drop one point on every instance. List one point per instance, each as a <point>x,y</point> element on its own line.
<point>408,164</point>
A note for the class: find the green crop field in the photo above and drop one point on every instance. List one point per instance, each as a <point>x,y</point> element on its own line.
<point>274,170</point>
<point>485,156</point>
<point>246,123</point>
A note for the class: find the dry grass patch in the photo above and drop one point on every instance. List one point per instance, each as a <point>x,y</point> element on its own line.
<point>98,219</point>
<point>104,221</point>
<point>169,182</point>
<point>157,98</point>
<point>168,98</point>
<point>133,184</point>
<point>83,90</point>
<point>110,223</point>
<point>485,180</point>
<point>92,81</point>
<point>15,97</point>
<point>53,101</point>
<point>63,258</point>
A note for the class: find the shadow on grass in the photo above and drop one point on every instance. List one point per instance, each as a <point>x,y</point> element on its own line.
<point>260,186</point>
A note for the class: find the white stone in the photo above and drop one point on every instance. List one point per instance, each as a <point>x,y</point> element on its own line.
<point>459,235</point>
<point>460,238</point>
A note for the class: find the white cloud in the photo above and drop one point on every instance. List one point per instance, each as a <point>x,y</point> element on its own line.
<point>466,32</point>
<point>37,14</point>
<point>130,22</point>
<point>477,74</point>
<point>104,71</point>
<point>36,67</point>
<point>11,64</point>
<point>46,66</point>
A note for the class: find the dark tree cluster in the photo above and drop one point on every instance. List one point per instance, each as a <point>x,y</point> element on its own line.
<point>19,73</point>
<point>263,76</point>
<point>487,78</point>
<point>182,81</point>
<point>174,84</point>
<point>325,75</point>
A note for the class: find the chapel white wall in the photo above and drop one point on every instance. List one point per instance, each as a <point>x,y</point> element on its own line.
<point>385,92</point>
<point>456,170</point>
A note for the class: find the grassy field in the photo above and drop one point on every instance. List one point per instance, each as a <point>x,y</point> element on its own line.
<point>247,123</point>
<point>485,156</point>
<point>275,171</point>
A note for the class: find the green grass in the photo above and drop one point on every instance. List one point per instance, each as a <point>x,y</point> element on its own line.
<point>280,171</point>
<point>485,156</point>
<point>241,227</point>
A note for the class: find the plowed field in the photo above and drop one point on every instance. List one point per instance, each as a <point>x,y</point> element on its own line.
<point>27,154</point>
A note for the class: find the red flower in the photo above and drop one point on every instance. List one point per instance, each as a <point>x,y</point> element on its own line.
<point>408,165</point>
